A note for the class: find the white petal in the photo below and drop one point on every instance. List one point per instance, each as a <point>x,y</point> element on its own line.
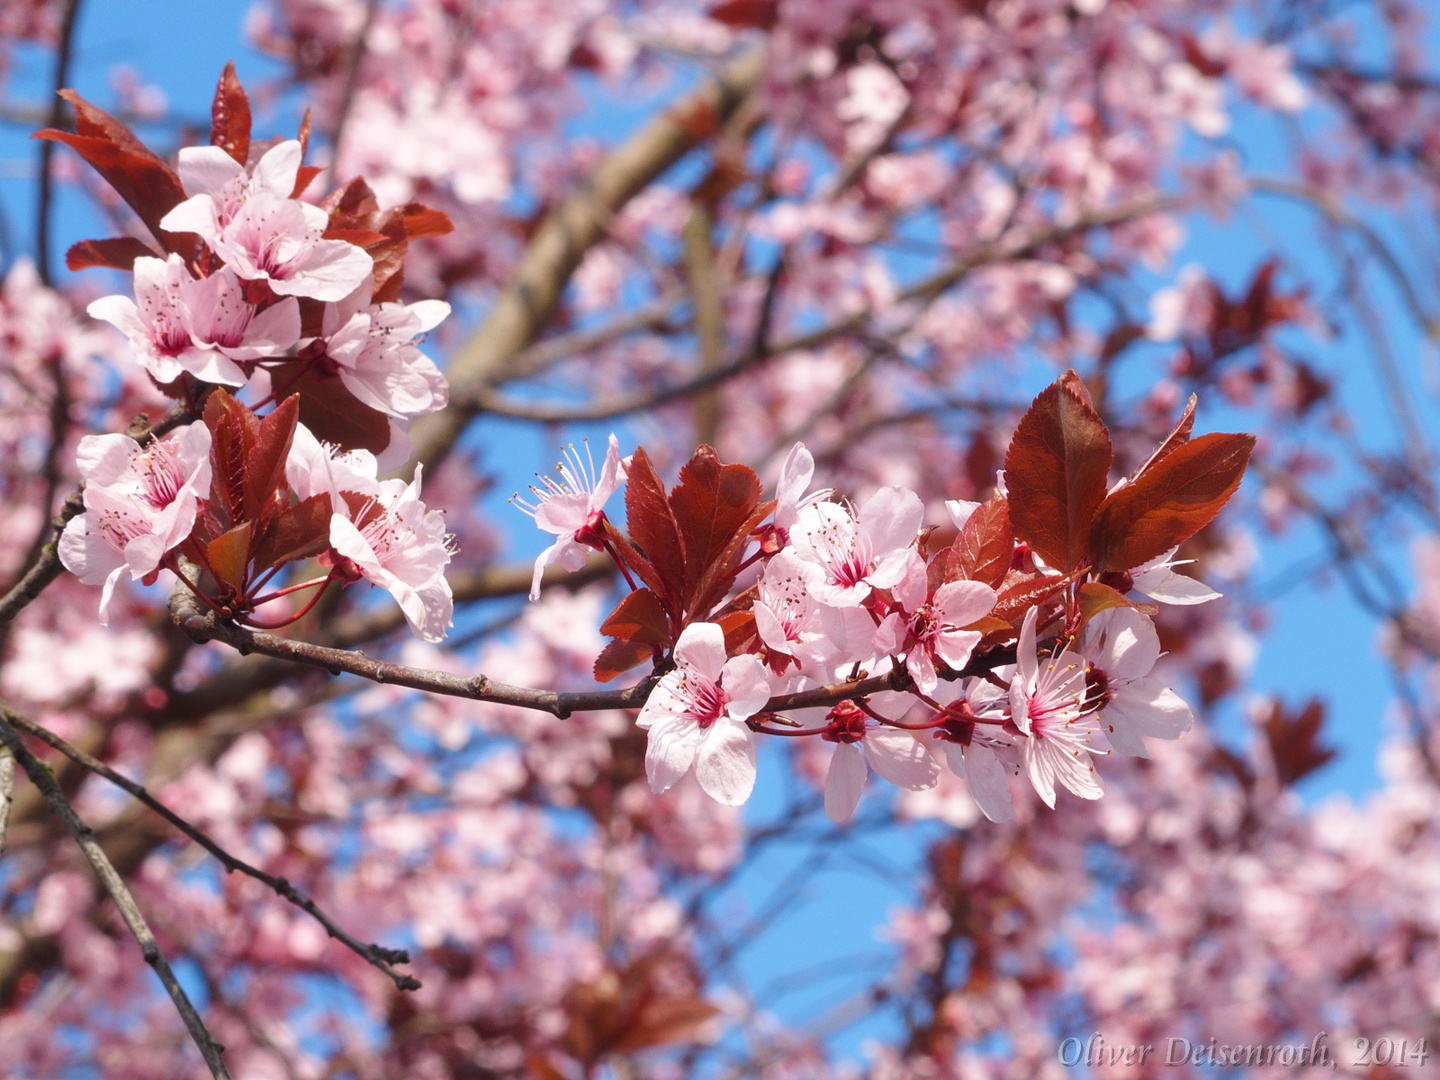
<point>746,685</point>
<point>1154,709</point>
<point>989,781</point>
<point>194,215</point>
<point>960,510</point>
<point>702,647</point>
<point>963,602</point>
<point>725,765</point>
<point>277,170</point>
<point>670,751</point>
<point>844,781</point>
<point>1122,643</point>
<point>205,170</point>
<point>891,518</point>
<point>898,757</point>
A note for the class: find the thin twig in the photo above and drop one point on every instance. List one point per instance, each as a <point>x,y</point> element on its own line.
<point>352,81</point>
<point>40,776</point>
<point>377,955</point>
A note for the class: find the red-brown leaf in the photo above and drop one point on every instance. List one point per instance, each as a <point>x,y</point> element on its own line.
<point>639,618</point>
<point>985,546</point>
<point>118,253</point>
<point>335,415</point>
<point>227,555</point>
<point>145,182</point>
<point>420,220</point>
<point>1174,500</point>
<point>1056,471</point>
<point>1294,740</point>
<point>653,527</point>
<point>619,657</point>
<point>304,177</point>
<point>1021,595</point>
<point>301,532</point>
<point>230,116</point>
<point>662,1020</point>
<point>233,430</point>
<point>265,469</point>
<point>712,504</point>
<point>1178,437</point>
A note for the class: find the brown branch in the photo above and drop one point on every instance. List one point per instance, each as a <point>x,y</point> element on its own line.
<point>1012,246</point>
<point>352,82</point>
<point>114,885</point>
<point>202,627</point>
<point>377,955</point>
<point>533,292</point>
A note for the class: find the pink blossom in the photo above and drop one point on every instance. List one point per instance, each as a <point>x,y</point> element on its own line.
<point>261,233</point>
<point>930,626</point>
<point>140,503</point>
<point>1048,697</point>
<point>572,508</point>
<point>373,349</point>
<point>846,557</point>
<point>795,476</point>
<point>1122,647</point>
<point>696,716</point>
<point>177,324</point>
<point>892,752</point>
<point>397,544</point>
<point>984,754</point>
<point>791,622</point>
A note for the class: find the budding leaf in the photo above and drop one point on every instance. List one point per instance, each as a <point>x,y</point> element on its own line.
<point>227,555</point>
<point>1024,593</point>
<point>1056,471</point>
<point>230,116</point>
<point>986,544</point>
<point>1172,501</point>
<point>233,430</point>
<point>1178,437</point>
<point>265,468</point>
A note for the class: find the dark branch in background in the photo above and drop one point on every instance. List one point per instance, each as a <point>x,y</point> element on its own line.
<point>380,957</point>
<point>45,180</point>
<point>114,885</point>
<point>352,81</point>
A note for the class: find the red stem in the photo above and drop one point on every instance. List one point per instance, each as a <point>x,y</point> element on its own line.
<point>298,615</point>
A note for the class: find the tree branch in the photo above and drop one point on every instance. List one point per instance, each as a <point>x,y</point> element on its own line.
<point>377,955</point>
<point>46,180</point>
<point>7,792</point>
<point>40,776</point>
<point>531,295</point>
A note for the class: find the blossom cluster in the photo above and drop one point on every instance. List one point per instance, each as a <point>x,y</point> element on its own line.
<point>296,307</point>
<point>997,654</point>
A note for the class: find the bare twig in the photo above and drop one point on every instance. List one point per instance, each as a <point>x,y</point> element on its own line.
<point>352,81</point>
<point>377,955</point>
<point>40,776</point>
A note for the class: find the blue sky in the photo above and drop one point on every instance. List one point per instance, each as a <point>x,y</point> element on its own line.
<point>1318,640</point>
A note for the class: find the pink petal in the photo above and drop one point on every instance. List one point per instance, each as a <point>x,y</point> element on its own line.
<point>900,758</point>
<point>702,648</point>
<point>725,765</point>
<point>670,751</point>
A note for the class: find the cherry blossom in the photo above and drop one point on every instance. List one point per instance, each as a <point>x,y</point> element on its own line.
<point>929,627</point>
<point>1048,699</point>
<point>1158,580</point>
<point>372,348</point>
<point>1122,646</point>
<point>140,504</point>
<point>177,324</point>
<point>896,755</point>
<point>260,232</point>
<point>394,542</point>
<point>572,508</point>
<point>696,716</point>
<point>845,557</point>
